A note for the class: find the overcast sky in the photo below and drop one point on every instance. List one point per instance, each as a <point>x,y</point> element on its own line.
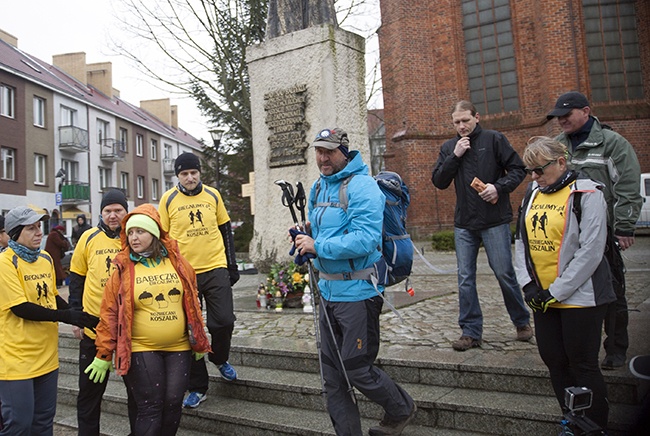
<point>49,27</point>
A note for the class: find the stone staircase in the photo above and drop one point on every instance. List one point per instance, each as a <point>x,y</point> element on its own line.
<point>278,393</point>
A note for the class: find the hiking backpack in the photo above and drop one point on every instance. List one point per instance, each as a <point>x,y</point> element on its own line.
<point>396,247</point>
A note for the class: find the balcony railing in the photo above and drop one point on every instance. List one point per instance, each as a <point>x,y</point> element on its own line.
<point>113,150</point>
<point>168,167</point>
<point>75,192</point>
<point>73,139</point>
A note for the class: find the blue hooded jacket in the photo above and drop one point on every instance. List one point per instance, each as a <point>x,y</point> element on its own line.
<point>347,242</point>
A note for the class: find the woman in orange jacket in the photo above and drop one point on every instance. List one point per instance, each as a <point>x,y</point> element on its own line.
<point>150,319</point>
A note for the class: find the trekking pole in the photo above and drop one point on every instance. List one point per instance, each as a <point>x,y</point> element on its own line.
<point>288,201</point>
<point>301,201</point>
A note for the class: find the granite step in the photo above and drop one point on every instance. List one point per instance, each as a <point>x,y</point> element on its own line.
<point>461,395</point>
<point>437,368</point>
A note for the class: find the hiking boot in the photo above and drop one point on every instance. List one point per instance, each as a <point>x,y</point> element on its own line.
<point>227,372</point>
<point>193,400</point>
<point>613,361</point>
<point>465,343</point>
<point>390,427</point>
<point>524,333</point>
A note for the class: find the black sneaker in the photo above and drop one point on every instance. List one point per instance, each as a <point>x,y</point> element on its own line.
<point>391,427</point>
<point>613,361</point>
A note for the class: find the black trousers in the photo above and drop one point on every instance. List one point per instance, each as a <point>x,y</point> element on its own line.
<point>616,319</point>
<point>568,341</point>
<point>89,400</point>
<point>215,291</point>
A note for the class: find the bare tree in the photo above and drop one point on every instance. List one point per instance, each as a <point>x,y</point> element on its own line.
<point>197,48</point>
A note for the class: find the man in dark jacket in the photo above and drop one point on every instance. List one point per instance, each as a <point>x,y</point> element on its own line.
<point>483,214</point>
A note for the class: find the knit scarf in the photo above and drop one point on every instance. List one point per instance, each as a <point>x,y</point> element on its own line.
<point>566,178</point>
<point>26,254</point>
<point>113,234</point>
<point>193,192</point>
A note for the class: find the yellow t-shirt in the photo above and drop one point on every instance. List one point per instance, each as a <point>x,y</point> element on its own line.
<point>159,322</point>
<point>28,349</point>
<point>92,258</point>
<point>545,223</point>
<point>194,222</point>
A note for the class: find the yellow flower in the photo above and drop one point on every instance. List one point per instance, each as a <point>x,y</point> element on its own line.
<point>297,277</point>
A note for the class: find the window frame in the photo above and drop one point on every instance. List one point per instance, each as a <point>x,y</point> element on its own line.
<point>7,101</point>
<point>139,145</point>
<point>8,154</point>
<point>40,169</point>
<point>140,187</point>
<point>39,111</point>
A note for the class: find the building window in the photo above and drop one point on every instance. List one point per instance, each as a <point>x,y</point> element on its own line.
<point>40,168</point>
<point>71,168</point>
<point>140,187</point>
<point>154,189</point>
<point>7,104</point>
<point>105,178</point>
<point>124,139</point>
<point>168,152</point>
<point>8,163</point>
<point>490,52</point>
<point>102,131</point>
<point>39,112</point>
<point>168,185</point>
<point>124,182</point>
<point>154,149</point>
<point>139,145</point>
<point>613,50</point>
<point>68,116</point>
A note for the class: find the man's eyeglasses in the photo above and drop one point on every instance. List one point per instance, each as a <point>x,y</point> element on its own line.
<point>539,170</point>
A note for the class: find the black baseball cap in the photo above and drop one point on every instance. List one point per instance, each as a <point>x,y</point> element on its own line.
<point>566,103</point>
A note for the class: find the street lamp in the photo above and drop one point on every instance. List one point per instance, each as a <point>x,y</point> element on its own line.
<point>216,134</point>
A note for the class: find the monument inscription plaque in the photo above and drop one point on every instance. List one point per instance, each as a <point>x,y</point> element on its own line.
<point>285,119</point>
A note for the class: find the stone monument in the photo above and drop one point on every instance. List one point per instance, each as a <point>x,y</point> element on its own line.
<point>308,75</point>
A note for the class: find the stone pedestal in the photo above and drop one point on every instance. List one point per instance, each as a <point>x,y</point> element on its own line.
<point>301,82</point>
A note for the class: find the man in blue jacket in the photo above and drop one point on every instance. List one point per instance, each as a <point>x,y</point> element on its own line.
<point>346,244</point>
<point>483,214</point>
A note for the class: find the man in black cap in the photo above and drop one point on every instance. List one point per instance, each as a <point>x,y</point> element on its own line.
<point>90,269</point>
<point>604,155</point>
<point>209,246</point>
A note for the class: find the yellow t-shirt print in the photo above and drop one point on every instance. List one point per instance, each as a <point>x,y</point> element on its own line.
<point>545,222</point>
<point>159,322</point>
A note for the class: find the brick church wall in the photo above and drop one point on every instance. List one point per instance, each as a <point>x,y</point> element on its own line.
<point>424,73</point>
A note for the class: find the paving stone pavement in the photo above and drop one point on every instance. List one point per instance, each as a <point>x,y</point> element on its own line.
<point>431,317</point>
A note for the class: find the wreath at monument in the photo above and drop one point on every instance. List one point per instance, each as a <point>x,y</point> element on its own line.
<point>287,281</point>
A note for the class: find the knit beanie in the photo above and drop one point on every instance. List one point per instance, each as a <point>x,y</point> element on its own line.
<point>144,222</point>
<point>187,161</point>
<point>114,196</point>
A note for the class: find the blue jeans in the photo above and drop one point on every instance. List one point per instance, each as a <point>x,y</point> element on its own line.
<point>496,241</point>
<point>29,406</point>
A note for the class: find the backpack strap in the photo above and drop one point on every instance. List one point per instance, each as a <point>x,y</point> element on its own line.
<point>343,195</point>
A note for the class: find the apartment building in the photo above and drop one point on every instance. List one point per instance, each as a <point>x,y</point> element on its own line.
<point>66,137</point>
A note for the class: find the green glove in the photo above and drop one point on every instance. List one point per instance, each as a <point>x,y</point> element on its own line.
<point>98,369</point>
<point>197,356</point>
<point>543,300</point>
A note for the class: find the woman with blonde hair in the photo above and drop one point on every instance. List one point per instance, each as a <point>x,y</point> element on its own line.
<point>151,323</point>
<point>560,265</point>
